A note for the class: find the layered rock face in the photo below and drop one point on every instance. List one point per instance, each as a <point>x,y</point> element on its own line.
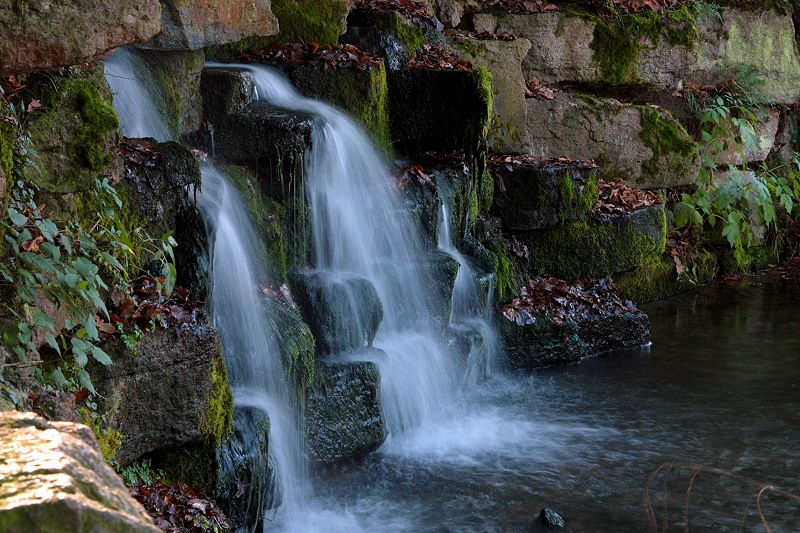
<point>53,479</point>
<point>39,35</point>
<point>200,23</point>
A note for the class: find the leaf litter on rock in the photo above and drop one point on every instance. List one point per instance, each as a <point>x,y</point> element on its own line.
<point>343,56</point>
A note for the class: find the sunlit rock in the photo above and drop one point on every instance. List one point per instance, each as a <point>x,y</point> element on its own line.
<point>53,478</point>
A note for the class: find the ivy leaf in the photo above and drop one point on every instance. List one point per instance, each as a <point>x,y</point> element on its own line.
<point>101,357</point>
<point>16,217</point>
<point>58,379</point>
<point>86,380</point>
<point>51,250</point>
<point>52,342</point>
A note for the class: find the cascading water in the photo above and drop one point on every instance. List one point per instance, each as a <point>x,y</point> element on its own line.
<point>236,303</point>
<point>359,226</point>
<point>471,305</point>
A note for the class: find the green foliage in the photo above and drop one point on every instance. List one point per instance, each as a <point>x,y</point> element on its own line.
<point>741,201</point>
<point>61,266</point>
<point>139,472</point>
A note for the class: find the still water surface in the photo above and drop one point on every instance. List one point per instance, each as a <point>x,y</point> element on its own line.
<point>720,387</point>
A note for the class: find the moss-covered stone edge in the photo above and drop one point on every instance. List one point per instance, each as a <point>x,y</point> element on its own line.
<point>318,21</point>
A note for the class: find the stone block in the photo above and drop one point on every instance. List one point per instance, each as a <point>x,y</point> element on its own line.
<point>642,145</point>
<point>53,478</point>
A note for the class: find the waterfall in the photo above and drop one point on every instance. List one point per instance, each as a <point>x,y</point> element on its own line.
<point>134,105</point>
<point>360,226</point>
<point>252,357</point>
<point>471,305</point>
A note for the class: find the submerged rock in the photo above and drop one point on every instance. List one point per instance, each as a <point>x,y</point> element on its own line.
<point>343,412</point>
<point>343,310</point>
<point>53,479</point>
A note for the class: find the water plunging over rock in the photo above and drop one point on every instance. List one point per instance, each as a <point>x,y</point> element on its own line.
<point>359,226</point>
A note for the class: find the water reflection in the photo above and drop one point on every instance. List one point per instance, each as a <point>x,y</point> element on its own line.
<point>718,387</point>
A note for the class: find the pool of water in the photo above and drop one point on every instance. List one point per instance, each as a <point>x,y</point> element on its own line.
<point>719,387</point>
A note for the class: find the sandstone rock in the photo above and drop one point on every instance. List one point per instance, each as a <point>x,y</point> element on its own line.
<point>194,24</point>
<point>343,311</point>
<point>567,46</point>
<point>503,59</point>
<point>39,35</point>
<point>343,416</point>
<point>750,39</point>
<point>643,146</point>
<point>171,389</point>
<point>451,12</point>
<point>53,479</point>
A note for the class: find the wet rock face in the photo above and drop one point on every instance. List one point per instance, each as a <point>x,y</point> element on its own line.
<point>53,478</point>
<point>244,481</point>
<point>167,388</point>
<point>344,419</point>
<point>343,311</point>
<point>194,24</point>
<point>40,35</point>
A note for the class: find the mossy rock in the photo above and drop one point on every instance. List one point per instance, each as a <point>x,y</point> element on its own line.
<point>297,346</point>
<point>318,21</point>
<point>74,134</point>
<point>659,278</point>
<point>755,258</point>
<point>595,249</point>
<point>7,140</point>
<point>362,93</point>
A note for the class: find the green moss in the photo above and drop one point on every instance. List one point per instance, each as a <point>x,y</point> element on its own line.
<point>590,193</point>
<point>617,45</point>
<point>108,440</point>
<point>472,47</point>
<point>659,279</point>
<point>172,107</point>
<point>318,21</point>
<point>756,258</point>
<point>297,347</point>
<point>7,137</point>
<point>217,422</point>
<point>565,187</point>
<point>267,216</point>
<point>588,248</point>
<point>100,120</point>
<point>477,147</point>
<point>411,36</point>
<point>671,145</point>
<point>505,276</point>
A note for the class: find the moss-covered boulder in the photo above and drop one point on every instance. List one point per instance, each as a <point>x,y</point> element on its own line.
<point>643,146</point>
<point>595,248</point>
<point>194,24</point>
<point>761,41</point>
<point>545,342</point>
<point>317,21</point>
<point>440,111</point>
<point>46,35</point>
<point>531,197</point>
<point>343,416</point>
<point>503,60</point>
<point>645,49</point>
<point>168,389</point>
<point>53,479</point>
<point>343,310</point>
<point>75,133</point>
